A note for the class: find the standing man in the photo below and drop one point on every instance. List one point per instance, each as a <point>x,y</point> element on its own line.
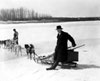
<point>15,38</point>
<point>60,54</point>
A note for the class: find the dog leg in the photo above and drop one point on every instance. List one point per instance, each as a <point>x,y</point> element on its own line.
<point>31,56</point>
<point>21,50</point>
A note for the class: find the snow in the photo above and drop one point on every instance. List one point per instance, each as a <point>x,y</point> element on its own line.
<point>43,36</point>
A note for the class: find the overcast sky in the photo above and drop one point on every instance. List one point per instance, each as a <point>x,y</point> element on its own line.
<point>65,8</point>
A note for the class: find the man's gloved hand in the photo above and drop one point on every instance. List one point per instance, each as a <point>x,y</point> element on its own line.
<point>73,45</point>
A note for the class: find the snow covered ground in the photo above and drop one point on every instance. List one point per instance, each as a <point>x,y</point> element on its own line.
<point>43,36</point>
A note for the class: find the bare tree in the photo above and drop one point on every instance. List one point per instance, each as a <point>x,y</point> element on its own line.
<point>21,14</point>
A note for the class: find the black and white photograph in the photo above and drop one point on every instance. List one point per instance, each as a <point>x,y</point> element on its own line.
<point>49,40</point>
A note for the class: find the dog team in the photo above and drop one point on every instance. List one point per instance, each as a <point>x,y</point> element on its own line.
<point>30,50</point>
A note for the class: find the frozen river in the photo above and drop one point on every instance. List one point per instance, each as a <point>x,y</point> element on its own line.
<point>39,32</point>
<point>43,36</point>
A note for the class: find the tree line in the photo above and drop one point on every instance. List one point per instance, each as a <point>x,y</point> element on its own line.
<point>21,14</point>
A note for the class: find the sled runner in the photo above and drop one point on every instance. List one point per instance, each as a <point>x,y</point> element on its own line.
<point>71,60</point>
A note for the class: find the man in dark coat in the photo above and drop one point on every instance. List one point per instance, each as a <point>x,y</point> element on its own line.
<point>15,38</point>
<point>60,54</point>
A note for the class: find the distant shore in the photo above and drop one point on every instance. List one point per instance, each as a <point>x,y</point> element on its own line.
<point>54,19</point>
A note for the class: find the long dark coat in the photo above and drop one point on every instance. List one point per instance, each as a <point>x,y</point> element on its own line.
<point>62,46</point>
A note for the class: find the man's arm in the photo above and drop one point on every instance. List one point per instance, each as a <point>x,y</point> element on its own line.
<point>71,39</point>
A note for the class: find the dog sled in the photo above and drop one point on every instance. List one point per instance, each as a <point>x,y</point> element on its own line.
<point>73,57</point>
